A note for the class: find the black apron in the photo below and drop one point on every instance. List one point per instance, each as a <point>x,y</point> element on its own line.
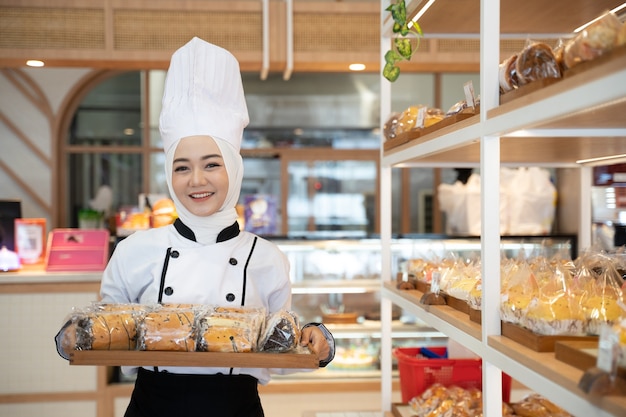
<point>164,394</point>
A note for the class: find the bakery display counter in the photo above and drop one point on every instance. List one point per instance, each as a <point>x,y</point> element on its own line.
<point>38,274</point>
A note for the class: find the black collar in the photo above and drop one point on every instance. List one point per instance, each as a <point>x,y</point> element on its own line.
<point>226,234</point>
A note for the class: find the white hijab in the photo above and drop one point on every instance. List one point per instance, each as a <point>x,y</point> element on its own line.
<point>206,228</point>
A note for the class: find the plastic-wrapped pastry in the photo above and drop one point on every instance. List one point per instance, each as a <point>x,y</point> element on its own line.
<point>106,327</point>
<point>555,315</point>
<point>621,36</point>
<point>507,74</point>
<point>389,130</point>
<point>168,329</point>
<point>601,302</point>
<point>536,62</point>
<point>408,119</point>
<point>281,332</point>
<point>595,40</point>
<point>535,405</point>
<point>224,329</point>
<point>517,293</point>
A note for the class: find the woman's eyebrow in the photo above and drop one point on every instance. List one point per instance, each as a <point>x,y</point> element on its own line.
<point>213,155</point>
<point>203,157</point>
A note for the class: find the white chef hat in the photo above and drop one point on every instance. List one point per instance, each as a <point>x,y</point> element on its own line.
<point>203,95</point>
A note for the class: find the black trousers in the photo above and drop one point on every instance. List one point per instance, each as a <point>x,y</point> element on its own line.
<point>166,394</point>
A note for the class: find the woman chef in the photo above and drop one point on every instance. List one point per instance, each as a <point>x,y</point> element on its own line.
<point>203,257</point>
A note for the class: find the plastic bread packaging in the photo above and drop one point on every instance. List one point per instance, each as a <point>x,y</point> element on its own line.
<point>507,75</point>
<point>461,279</point>
<point>595,40</point>
<point>602,299</point>
<point>224,329</point>
<point>407,120</point>
<point>556,309</point>
<point>536,62</point>
<point>439,400</point>
<point>518,288</point>
<point>100,327</point>
<point>281,332</point>
<point>391,126</point>
<point>168,328</point>
<point>535,405</point>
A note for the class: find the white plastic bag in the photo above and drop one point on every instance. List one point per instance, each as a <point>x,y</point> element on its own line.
<point>527,203</point>
<point>533,202</point>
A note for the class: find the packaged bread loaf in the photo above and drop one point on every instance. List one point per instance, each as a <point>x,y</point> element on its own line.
<point>593,41</point>
<point>536,62</point>
<point>601,301</point>
<point>224,329</point>
<point>108,327</point>
<point>100,327</point>
<point>281,332</point>
<point>507,75</point>
<point>168,329</point>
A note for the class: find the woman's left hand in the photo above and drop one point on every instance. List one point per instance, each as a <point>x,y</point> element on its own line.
<point>314,338</point>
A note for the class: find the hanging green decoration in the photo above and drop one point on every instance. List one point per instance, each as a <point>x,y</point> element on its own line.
<point>405,43</point>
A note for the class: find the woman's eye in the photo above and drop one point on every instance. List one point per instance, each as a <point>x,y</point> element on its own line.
<point>180,169</point>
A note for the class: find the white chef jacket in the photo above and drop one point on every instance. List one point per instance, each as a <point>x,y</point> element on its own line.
<point>243,270</point>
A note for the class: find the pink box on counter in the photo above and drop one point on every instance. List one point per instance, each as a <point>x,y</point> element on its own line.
<point>77,250</point>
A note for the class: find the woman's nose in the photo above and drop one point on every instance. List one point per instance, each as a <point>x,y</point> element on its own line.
<point>197,177</point>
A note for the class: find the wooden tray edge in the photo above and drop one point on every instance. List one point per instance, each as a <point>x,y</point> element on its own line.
<point>193,359</point>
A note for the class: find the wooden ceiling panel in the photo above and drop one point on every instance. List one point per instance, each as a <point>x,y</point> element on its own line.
<point>529,16</point>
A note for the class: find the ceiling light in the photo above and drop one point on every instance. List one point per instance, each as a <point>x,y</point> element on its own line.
<point>357,67</point>
<point>607,159</point>
<point>34,63</point>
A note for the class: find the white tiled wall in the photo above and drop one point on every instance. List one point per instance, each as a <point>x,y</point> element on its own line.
<point>29,360</point>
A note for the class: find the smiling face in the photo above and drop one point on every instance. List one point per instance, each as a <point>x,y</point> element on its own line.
<point>199,176</point>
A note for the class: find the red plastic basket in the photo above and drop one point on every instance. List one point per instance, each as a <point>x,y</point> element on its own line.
<point>419,373</point>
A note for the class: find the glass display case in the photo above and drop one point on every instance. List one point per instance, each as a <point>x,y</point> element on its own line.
<point>337,282</point>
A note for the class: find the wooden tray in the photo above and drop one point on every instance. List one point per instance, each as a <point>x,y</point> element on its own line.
<point>476,315</point>
<point>211,359</point>
<point>527,89</point>
<point>405,137</point>
<point>537,342</point>
<point>581,355</point>
<point>457,303</point>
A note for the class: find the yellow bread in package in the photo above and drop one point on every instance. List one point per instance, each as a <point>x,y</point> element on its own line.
<point>518,289</point>
<point>108,327</point>
<point>224,329</point>
<point>168,329</point>
<point>407,120</point>
<point>555,315</point>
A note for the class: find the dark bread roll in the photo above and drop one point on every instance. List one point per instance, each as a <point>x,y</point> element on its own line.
<point>281,333</point>
<point>536,62</point>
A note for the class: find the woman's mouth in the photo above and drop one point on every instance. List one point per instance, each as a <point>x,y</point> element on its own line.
<point>200,195</point>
